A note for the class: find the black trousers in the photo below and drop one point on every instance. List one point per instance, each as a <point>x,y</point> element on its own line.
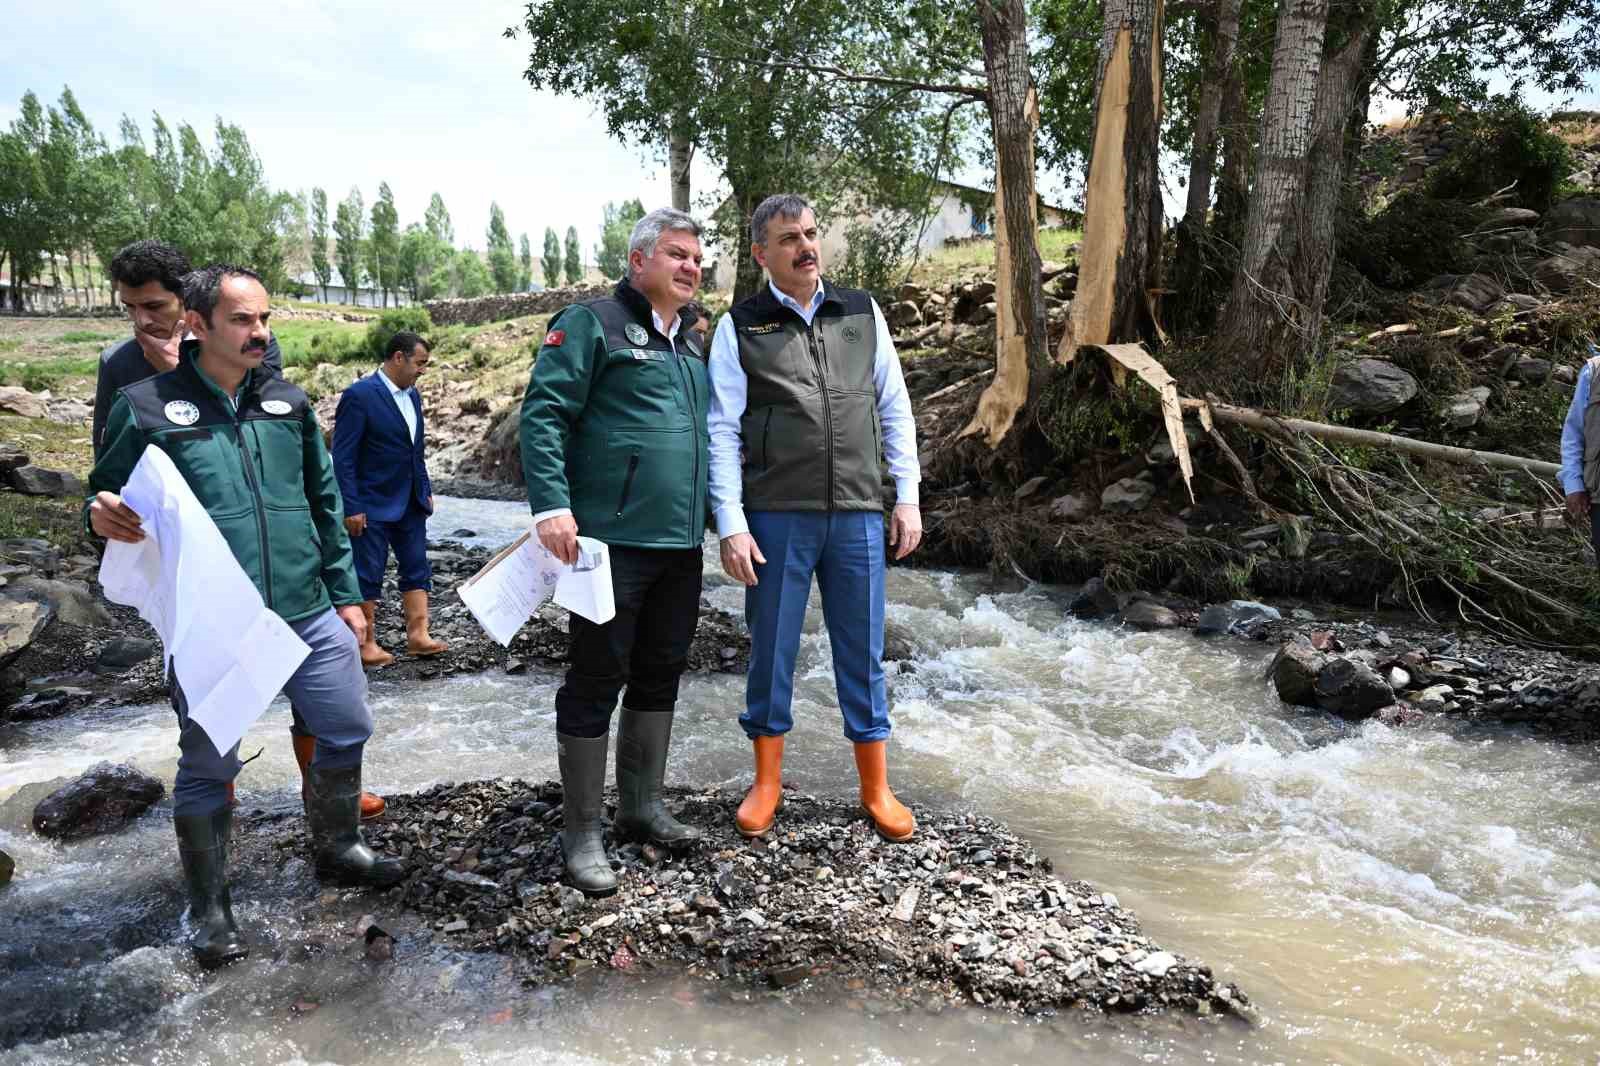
<point>644,648</point>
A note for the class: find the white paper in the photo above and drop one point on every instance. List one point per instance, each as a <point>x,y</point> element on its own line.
<point>231,654</point>
<point>511,586</point>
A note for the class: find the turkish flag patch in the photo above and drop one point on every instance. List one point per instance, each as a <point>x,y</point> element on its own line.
<point>554,338</point>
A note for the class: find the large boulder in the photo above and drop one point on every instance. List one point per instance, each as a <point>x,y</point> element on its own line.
<point>1351,689</point>
<point>73,601</point>
<point>499,456</point>
<point>1093,601</point>
<point>20,622</point>
<point>105,798</point>
<point>1148,614</point>
<point>37,481</point>
<point>1240,617</point>
<point>1073,507</point>
<point>904,315</point>
<point>1475,292</point>
<point>11,457</point>
<point>1127,496</point>
<point>1575,221</point>
<point>1564,271</point>
<point>19,401</point>
<point>1371,386</point>
<point>1294,672</point>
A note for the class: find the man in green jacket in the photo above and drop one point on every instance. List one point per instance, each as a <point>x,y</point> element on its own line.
<point>248,445</point>
<point>614,447</point>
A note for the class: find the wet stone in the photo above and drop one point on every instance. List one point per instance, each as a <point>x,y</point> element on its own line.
<point>106,797</point>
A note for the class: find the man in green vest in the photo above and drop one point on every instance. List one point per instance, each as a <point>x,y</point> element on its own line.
<point>614,447</point>
<point>806,395</point>
<point>248,446</point>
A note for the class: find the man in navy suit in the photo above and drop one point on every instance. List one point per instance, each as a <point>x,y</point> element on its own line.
<point>378,443</point>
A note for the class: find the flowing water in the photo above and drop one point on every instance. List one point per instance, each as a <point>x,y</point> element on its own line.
<point>1385,896</point>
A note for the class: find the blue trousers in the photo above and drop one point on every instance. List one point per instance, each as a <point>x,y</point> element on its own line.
<point>329,695</point>
<point>409,539</point>
<point>845,550</point>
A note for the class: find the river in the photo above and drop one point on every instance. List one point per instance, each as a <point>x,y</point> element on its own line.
<point>1384,895</point>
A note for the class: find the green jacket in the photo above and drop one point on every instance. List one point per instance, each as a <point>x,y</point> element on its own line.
<point>614,425</point>
<point>263,475</point>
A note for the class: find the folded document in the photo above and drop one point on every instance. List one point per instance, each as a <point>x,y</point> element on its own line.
<point>511,586</point>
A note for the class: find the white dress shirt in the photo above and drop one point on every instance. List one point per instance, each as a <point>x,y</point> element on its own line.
<point>667,330</point>
<point>402,400</point>
<point>730,391</point>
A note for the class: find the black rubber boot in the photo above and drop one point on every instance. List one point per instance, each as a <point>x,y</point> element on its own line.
<point>203,848</point>
<point>583,779</point>
<point>642,744</point>
<point>334,812</point>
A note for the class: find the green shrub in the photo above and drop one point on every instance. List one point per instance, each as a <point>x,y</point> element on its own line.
<point>392,321</point>
<point>1502,144</point>
<point>1414,238</point>
<point>874,255</point>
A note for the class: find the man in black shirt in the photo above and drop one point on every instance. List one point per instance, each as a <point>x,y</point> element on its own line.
<point>149,280</point>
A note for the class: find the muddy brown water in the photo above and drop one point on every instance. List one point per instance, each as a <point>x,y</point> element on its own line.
<point>1385,896</point>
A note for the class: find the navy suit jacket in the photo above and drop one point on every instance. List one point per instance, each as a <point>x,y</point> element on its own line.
<point>380,470</point>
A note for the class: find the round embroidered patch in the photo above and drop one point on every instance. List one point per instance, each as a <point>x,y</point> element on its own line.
<point>851,334</point>
<point>182,413</point>
<point>637,333</point>
<point>276,407</point>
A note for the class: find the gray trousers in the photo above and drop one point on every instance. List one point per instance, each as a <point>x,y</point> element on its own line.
<point>329,696</point>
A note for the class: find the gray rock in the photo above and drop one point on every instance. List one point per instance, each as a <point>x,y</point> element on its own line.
<point>983,314</point>
<point>904,314</point>
<point>1127,496</point>
<point>1465,408</point>
<point>124,653</point>
<point>1073,507</point>
<point>1294,672</point>
<point>1530,369</point>
<point>1511,216</point>
<point>19,401</point>
<point>477,882</point>
<point>1241,617</point>
<point>1566,375</point>
<point>1398,678</point>
<point>1564,271</point>
<point>37,481</point>
<point>21,621</point>
<point>898,644</point>
<point>73,601</point>
<point>1351,689</point>
<point>1575,221</point>
<point>910,293</point>
<point>106,797</point>
<point>11,457</point>
<point>1030,487</point>
<point>1147,614</point>
<point>1093,601</point>
<point>1371,386</point>
<point>8,866</point>
<point>1475,292</point>
<point>1157,963</point>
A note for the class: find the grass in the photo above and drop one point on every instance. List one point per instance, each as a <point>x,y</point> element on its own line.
<point>957,261</point>
<point>51,373</point>
<point>53,520</point>
<point>50,444</point>
<point>84,336</point>
<point>307,342</point>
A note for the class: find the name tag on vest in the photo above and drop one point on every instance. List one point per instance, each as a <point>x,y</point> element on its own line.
<point>644,355</point>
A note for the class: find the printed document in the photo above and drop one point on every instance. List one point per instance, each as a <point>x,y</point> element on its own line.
<point>230,653</point>
<point>511,586</point>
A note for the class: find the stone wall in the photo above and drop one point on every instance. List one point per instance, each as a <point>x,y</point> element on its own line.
<point>483,309</point>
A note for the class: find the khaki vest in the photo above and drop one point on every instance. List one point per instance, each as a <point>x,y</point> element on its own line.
<point>812,441</point>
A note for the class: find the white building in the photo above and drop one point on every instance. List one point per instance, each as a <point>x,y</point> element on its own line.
<point>339,293</point>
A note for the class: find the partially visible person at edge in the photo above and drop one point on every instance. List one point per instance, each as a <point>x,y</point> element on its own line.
<point>699,319</point>
<point>215,414</point>
<point>1580,449</point>
<point>379,440</point>
<point>148,276</point>
<point>614,447</point>
<point>805,384</point>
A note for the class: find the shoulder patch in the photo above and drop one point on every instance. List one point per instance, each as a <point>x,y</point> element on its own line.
<point>182,413</point>
<point>276,407</point>
<point>765,327</point>
<point>554,338</point>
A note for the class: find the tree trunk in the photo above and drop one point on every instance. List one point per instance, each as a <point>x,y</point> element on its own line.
<point>1021,344</point>
<point>1121,258</point>
<point>1233,182</point>
<point>1265,312</point>
<point>747,276</point>
<point>1191,268</point>
<point>680,152</point>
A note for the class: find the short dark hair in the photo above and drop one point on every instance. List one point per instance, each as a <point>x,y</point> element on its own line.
<point>142,262</point>
<point>693,311</point>
<point>405,342</point>
<point>778,205</point>
<point>203,288</point>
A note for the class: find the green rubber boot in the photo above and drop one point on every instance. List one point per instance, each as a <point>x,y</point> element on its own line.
<point>203,848</point>
<point>642,744</point>
<point>583,777</point>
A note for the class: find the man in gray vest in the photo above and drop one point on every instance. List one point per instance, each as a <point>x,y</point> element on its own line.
<point>1580,449</point>
<point>806,387</point>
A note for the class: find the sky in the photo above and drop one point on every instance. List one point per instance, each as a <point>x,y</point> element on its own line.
<point>426,96</point>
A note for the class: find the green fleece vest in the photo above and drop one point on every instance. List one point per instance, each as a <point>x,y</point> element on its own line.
<point>812,441</point>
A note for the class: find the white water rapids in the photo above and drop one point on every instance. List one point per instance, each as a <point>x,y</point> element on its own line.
<point>1385,896</point>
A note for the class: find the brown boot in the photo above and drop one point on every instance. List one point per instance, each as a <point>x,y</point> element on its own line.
<point>371,654</point>
<point>417,640</point>
<point>304,748</point>
<point>890,817</point>
<point>760,807</point>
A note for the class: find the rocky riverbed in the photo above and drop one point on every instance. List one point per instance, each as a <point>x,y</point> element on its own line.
<point>967,913</point>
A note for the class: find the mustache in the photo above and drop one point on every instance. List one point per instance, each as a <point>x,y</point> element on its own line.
<point>254,346</point>
<point>804,259</point>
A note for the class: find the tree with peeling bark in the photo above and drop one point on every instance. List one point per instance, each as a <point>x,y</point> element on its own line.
<point>1119,266</point>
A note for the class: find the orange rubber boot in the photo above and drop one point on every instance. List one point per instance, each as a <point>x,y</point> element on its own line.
<point>760,807</point>
<point>304,748</point>
<point>371,654</point>
<point>890,817</point>
<point>418,642</point>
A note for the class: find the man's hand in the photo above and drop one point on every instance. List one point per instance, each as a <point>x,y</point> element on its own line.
<point>352,616</point>
<point>740,554</point>
<point>560,536</point>
<point>163,355</point>
<point>1578,504</point>
<point>115,520</point>
<point>430,504</point>
<point>355,524</point>
<point>905,529</point>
